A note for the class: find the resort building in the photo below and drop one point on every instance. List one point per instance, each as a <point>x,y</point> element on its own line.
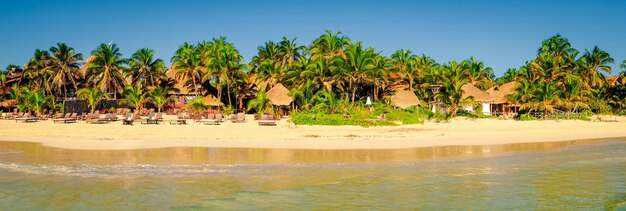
<point>482,99</point>
<point>500,104</point>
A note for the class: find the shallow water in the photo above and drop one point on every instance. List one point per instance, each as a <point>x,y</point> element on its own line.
<point>561,175</point>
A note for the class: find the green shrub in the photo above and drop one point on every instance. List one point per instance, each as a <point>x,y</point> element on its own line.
<point>527,117</point>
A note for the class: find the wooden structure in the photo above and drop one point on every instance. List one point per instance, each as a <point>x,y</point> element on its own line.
<point>500,105</point>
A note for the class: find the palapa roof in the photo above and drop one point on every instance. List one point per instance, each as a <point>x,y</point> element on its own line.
<point>279,95</point>
<point>212,101</point>
<point>498,94</point>
<point>404,99</point>
<point>179,87</point>
<point>470,90</point>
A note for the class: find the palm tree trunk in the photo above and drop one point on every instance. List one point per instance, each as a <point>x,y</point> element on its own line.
<point>230,103</point>
<point>195,86</point>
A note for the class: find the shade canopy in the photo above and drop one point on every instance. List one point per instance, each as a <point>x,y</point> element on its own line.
<point>404,99</point>
<point>212,101</point>
<point>279,95</point>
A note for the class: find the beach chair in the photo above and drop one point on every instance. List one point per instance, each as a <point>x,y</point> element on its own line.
<point>128,119</point>
<point>26,118</point>
<point>267,120</point>
<point>159,117</point>
<point>67,118</point>
<point>152,119</point>
<point>212,119</point>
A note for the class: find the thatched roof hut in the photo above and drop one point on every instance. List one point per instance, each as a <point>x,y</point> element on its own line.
<point>470,90</point>
<point>212,101</point>
<point>499,94</point>
<point>404,99</point>
<point>279,95</point>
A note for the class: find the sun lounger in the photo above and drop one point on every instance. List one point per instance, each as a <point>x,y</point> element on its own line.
<point>212,119</point>
<point>68,118</point>
<point>128,119</point>
<point>267,120</point>
<point>26,118</point>
<point>240,117</point>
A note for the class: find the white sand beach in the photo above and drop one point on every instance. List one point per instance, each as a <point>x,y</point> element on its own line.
<point>459,131</point>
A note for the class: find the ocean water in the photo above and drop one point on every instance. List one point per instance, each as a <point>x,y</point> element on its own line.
<point>572,175</point>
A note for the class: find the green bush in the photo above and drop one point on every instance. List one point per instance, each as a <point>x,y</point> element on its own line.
<point>527,117</point>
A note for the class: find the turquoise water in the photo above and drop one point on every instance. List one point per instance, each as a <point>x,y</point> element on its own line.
<point>565,176</point>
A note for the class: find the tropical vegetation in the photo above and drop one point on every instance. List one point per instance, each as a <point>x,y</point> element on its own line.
<point>332,75</point>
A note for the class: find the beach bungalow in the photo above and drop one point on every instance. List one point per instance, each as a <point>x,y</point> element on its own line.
<point>480,97</point>
<point>404,99</point>
<point>500,105</point>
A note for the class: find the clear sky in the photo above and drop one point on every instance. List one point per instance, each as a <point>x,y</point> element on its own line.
<point>503,34</point>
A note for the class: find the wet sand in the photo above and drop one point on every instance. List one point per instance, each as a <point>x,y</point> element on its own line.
<point>460,131</point>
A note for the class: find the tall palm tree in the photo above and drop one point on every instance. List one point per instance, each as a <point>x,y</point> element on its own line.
<point>479,75</point>
<point>403,62</point>
<point>188,66</point>
<point>93,95</point>
<point>454,77</point>
<point>358,63</point>
<point>226,66</point>
<point>329,45</point>
<point>593,62</point>
<point>64,67</point>
<point>289,52</point>
<point>105,70</point>
<point>145,69</point>
<point>36,70</point>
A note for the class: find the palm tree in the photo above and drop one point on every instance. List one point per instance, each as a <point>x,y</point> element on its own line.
<point>64,65</point>
<point>36,70</point>
<point>158,95</point>
<point>329,45</point>
<point>145,69</point>
<point>289,52</point>
<point>226,63</point>
<point>593,62</point>
<point>403,62</point>
<point>358,62</point>
<point>93,96</point>
<point>134,96</point>
<point>105,70</point>
<point>261,103</point>
<point>478,75</point>
<point>508,76</point>
<point>303,94</point>
<point>454,77</point>
<point>188,66</point>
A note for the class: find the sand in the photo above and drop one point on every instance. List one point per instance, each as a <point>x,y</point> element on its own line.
<point>459,131</point>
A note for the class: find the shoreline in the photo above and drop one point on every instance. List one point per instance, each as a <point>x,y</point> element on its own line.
<point>458,132</point>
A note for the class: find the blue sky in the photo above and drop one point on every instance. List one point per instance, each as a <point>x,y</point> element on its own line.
<point>503,34</point>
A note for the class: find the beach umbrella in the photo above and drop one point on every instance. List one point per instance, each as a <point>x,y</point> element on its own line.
<point>279,95</point>
<point>404,99</point>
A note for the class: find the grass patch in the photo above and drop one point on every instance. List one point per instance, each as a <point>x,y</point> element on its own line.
<point>359,116</point>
